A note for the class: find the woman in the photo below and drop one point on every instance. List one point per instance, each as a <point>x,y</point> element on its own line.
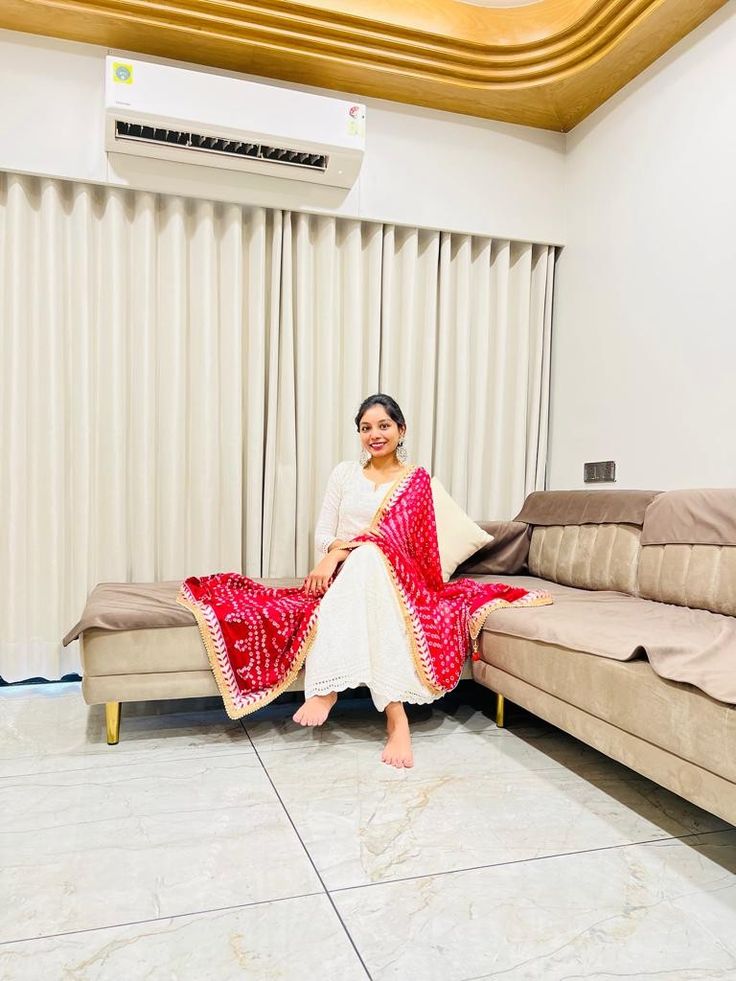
<point>373,611</point>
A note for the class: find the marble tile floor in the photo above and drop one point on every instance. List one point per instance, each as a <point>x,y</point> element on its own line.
<point>200,848</point>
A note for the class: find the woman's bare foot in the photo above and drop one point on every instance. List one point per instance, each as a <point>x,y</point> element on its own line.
<point>315,710</point>
<point>397,751</point>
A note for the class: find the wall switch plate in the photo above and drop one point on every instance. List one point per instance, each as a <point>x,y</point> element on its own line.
<point>600,473</point>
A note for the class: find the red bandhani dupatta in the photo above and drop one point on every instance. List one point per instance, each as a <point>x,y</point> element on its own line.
<point>257,637</point>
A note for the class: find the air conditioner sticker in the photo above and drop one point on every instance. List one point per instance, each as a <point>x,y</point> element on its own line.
<point>356,121</point>
<point>122,72</point>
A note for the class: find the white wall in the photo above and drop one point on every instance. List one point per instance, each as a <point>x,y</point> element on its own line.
<point>643,193</point>
<point>644,364</point>
<point>422,167</point>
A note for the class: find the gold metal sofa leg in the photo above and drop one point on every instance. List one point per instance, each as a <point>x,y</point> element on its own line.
<point>499,710</point>
<point>112,721</point>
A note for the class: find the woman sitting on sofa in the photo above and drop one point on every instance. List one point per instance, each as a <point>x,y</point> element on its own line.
<point>373,611</point>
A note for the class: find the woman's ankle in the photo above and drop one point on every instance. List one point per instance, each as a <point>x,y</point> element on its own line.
<point>396,714</point>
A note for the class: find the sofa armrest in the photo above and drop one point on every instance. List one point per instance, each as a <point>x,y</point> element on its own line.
<point>507,554</point>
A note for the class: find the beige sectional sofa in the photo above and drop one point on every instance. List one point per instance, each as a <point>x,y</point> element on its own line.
<point>637,655</point>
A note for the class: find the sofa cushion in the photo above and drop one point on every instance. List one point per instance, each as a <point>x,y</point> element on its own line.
<point>691,646</point>
<point>699,576</point>
<point>458,536</point>
<point>594,556</point>
<point>628,695</point>
<point>506,554</point>
<point>689,550</point>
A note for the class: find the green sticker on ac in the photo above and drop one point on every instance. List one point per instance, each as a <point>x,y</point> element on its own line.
<point>122,72</point>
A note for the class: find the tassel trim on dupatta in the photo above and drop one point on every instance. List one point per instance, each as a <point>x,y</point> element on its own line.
<point>209,630</point>
<point>535,597</point>
<point>419,653</point>
<point>413,630</point>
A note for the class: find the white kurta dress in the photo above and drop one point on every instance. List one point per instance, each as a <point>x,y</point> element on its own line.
<point>361,638</point>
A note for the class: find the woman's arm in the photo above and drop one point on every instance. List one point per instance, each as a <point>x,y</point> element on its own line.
<point>326,527</point>
<point>339,544</point>
<point>319,578</point>
<point>328,548</point>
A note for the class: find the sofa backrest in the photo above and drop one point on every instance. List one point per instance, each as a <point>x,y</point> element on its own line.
<point>588,539</point>
<point>587,556</point>
<point>688,554</point>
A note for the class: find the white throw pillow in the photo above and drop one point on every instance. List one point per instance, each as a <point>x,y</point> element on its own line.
<point>458,536</point>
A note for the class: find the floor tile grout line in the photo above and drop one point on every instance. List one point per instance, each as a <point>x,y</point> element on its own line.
<point>156,919</point>
<point>310,859</point>
<point>522,861</point>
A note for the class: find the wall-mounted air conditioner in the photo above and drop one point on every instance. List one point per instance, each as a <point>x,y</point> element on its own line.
<point>195,117</point>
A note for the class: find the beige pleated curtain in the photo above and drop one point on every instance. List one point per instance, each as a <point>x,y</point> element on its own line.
<point>179,377</point>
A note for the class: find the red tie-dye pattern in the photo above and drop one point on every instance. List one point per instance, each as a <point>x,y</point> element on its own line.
<point>257,636</point>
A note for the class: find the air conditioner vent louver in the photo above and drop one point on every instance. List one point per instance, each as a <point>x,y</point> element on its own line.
<point>138,133</point>
<point>189,119</point>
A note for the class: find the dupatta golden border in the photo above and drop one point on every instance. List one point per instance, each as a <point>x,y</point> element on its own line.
<point>206,631</point>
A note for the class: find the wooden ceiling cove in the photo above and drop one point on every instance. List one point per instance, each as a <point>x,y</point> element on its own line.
<point>548,63</point>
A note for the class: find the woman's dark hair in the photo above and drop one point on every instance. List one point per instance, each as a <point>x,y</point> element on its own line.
<point>390,405</point>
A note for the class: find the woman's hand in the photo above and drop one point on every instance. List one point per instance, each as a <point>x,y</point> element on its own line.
<point>319,578</point>
<point>374,532</point>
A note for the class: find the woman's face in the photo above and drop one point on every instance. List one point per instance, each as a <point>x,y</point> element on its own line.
<point>379,434</point>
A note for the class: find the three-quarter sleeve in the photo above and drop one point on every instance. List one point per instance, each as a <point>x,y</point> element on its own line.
<point>325,531</point>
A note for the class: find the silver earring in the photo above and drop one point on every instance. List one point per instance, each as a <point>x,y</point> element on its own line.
<point>364,457</point>
<point>401,454</point>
